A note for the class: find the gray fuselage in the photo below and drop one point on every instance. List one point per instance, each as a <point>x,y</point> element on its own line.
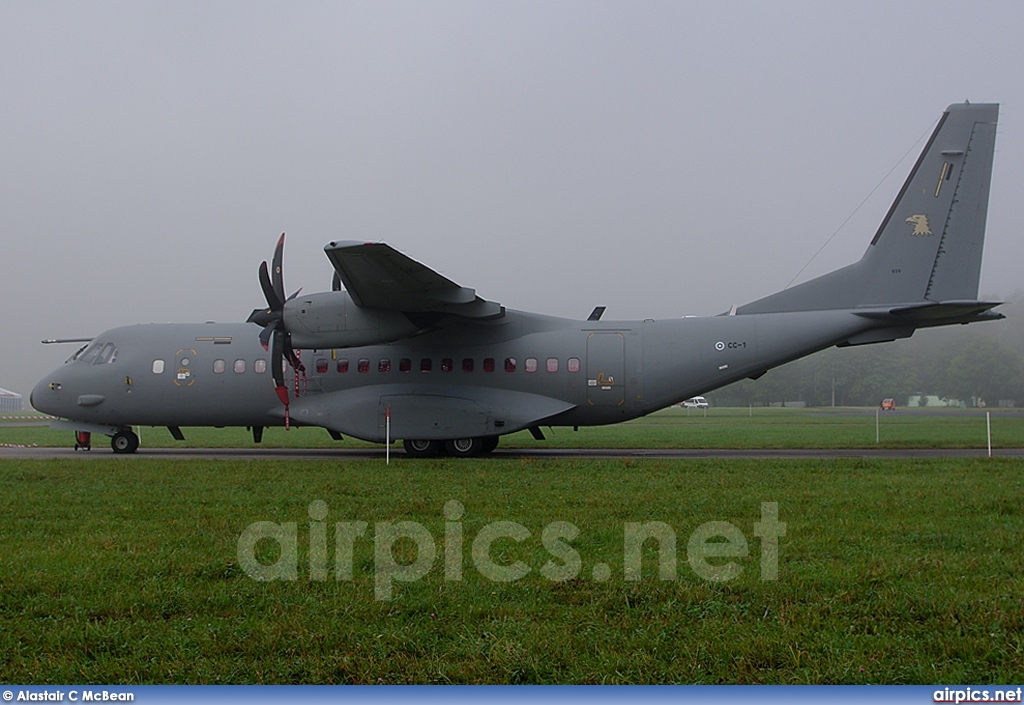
<point>513,373</point>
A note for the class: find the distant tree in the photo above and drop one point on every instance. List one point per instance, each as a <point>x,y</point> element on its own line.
<point>957,362</point>
<point>984,369</point>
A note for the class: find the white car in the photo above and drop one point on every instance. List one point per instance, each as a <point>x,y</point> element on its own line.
<point>695,403</point>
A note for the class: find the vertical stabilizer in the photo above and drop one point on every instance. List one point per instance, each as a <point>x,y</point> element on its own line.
<point>928,247</point>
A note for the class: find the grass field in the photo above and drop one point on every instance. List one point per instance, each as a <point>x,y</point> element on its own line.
<point>128,571</point>
<point>670,428</point>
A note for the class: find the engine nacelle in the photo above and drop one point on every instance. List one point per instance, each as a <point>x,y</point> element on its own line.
<point>331,320</point>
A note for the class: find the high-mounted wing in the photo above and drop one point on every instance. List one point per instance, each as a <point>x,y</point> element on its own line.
<point>378,276</point>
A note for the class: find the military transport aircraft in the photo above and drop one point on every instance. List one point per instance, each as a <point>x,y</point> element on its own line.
<point>404,353</point>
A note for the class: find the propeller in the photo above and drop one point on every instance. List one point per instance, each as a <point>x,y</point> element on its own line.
<point>274,336</point>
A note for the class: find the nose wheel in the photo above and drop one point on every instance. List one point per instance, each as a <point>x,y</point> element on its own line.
<point>124,441</point>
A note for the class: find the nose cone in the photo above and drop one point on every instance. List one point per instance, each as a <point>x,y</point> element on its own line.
<point>47,396</point>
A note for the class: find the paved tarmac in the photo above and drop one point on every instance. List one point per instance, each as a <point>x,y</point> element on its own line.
<point>103,451</point>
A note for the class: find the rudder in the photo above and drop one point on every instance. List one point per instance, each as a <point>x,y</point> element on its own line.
<point>929,245</point>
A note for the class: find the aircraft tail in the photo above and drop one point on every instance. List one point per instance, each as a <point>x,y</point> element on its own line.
<point>927,251</point>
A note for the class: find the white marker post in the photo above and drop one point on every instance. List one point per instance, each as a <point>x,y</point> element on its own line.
<point>876,425</point>
<point>988,424</point>
<point>387,436</point>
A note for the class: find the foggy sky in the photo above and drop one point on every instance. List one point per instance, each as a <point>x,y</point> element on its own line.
<point>661,159</point>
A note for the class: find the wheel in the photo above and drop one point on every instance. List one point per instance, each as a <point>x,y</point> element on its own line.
<point>490,443</point>
<point>124,442</point>
<point>423,448</point>
<point>464,447</point>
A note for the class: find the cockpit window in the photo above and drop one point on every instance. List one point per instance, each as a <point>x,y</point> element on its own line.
<point>97,354</point>
<point>106,355</point>
<point>89,356</point>
<point>77,354</point>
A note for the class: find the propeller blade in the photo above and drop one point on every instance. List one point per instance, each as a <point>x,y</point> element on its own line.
<point>282,394</point>
<point>274,335</point>
<point>289,353</point>
<point>277,359</point>
<point>273,301</point>
<point>278,275</point>
<point>265,334</point>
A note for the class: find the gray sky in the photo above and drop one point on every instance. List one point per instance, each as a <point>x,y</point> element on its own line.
<point>658,158</point>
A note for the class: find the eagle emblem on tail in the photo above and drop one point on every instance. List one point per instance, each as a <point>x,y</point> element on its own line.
<point>921,226</point>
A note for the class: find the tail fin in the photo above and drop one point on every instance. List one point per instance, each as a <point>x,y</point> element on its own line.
<point>928,247</point>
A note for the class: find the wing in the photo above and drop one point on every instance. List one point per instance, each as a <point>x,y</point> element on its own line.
<point>378,276</point>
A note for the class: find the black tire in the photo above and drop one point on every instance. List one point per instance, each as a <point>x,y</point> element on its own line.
<point>490,444</point>
<point>464,447</point>
<point>124,442</point>
<point>422,448</point>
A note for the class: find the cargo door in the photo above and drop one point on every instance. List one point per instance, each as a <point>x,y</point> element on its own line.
<point>606,378</point>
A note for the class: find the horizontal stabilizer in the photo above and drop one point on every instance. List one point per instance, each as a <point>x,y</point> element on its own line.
<point>931,313</point>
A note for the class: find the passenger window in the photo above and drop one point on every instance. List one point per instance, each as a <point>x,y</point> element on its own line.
<point>343,365</point>
<point>219,366</point>
<point>467,364</point>
<point>239,366</point>
<point>426,364</point>
<point>321,366</point>
<point>384,365</point>
<point>158,367</point>
<point>552,364</point>
<point>447,365</point>
<point>510,364</point>
<point>260,366</point>
<point>573,364</point>
<point>531,364</point>
<point>363,365</point>
<point>404,365</point>
<point>488,364</point>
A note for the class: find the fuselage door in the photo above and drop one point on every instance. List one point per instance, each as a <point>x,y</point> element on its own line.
<point>606,368</point>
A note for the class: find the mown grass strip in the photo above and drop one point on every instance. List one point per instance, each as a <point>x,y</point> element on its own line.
<point>890,571</point>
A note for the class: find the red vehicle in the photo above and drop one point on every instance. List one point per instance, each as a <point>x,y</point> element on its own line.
<point>889,404</point>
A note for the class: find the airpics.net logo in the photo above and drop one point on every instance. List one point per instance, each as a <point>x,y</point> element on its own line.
<point>713,550</point>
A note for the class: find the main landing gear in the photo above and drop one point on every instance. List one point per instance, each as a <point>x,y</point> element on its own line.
<point>456,448</point>
<point>124,441</point>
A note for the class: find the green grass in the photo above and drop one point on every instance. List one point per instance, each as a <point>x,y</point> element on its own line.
<point>126,571</point>
<point>670,428</point>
